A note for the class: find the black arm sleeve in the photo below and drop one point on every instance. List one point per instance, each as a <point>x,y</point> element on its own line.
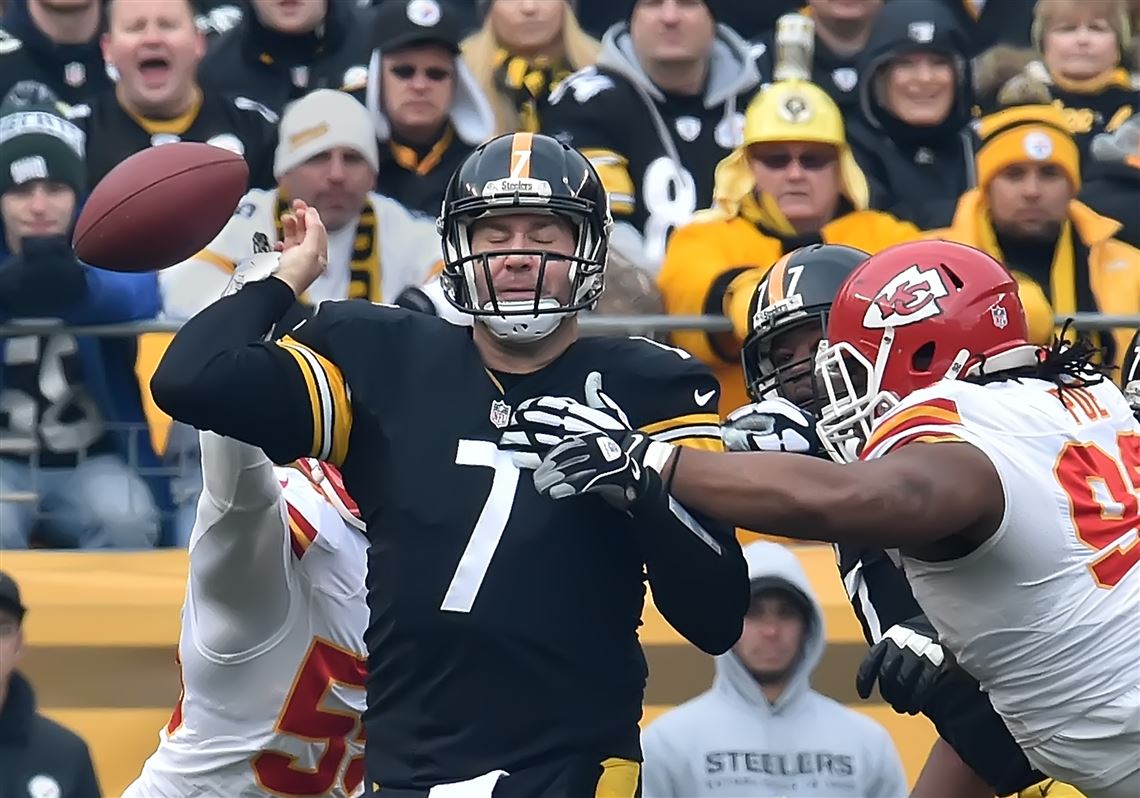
<point>696,570</point>
<point>219,375</point>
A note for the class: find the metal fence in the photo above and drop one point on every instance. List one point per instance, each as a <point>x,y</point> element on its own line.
<point>179,467</point>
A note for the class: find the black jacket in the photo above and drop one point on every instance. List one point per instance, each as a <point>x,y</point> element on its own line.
<point>1111,189</point>
<point>273,69</point>
<point>914,173</point>
<point>36,753</point>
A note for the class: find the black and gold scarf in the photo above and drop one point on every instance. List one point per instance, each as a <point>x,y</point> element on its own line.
<point>364,269</point>
<point>527,83</point>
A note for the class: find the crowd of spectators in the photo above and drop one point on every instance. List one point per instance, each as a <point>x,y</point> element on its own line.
<point>727,134</point>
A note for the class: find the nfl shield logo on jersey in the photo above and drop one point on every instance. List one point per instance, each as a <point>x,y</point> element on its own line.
<point>75,74</point>
<point>500,414</point>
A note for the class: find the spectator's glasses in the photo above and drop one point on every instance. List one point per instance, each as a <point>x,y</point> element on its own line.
<point>408,71</point>
<point>808,161</point>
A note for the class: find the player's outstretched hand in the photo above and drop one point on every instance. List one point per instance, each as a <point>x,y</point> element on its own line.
<point>908,664</point>
<point>771,425</point>
<point>304,247</point>
<point>545,421</point>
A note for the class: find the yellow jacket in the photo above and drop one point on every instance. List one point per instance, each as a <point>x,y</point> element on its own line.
<point>1113,266</point>
<point>712,265</point>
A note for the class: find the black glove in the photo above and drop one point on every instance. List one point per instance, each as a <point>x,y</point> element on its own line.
<point>597,463</point>
<point>771,425</point>
<point>908,663</point>
<point>413,298</point>
<point>43,279</point>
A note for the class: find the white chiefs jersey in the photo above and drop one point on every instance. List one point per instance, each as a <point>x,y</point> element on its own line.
<point>283,717</point>
<point>375,256</point>
<point>1046,613</point>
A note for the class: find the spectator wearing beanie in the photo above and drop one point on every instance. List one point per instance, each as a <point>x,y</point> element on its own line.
<point>913,138</point>
<point>1024,212</point>
<point>663,105</point>
<point>427,108</point>
<point>520,55</point>
<point>67,445</point>
<point>38,757</point>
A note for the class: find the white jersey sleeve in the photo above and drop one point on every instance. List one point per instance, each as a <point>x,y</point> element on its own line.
<point>237,574</point>
<point>189,286</point>
<point>1044,613</point>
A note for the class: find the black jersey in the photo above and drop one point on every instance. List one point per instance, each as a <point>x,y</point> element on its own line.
<point>655,152</point>
<point>30,63</point>
<point>234,123</point>
<point>503,624</point>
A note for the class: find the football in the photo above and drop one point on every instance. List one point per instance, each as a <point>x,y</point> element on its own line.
<point>159,207</point>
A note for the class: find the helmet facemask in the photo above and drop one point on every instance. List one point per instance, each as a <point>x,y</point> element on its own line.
<point>764,378</point>
<point>854,398</point>
<point>527,320</point>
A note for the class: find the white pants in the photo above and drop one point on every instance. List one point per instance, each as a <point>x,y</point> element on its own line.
<point>1098,754</point>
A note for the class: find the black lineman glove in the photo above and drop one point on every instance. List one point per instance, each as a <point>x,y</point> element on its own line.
<point>908,663</point>
<point>596,463</point>
<point>541,423</point>
<point>771,425</point>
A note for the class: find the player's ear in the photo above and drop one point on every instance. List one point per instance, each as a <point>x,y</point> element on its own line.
<point>199,44</point>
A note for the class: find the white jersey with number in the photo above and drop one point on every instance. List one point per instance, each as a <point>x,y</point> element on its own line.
<point>1046,613</point>
<point>279,712</point>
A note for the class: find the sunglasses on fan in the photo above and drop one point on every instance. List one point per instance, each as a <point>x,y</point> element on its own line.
<point>408,71</point>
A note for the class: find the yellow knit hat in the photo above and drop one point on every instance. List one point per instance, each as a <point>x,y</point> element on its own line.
<point>788,110</point>
<point>1026,133</point>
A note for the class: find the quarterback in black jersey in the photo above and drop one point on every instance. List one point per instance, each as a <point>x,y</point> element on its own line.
<point>787,321</point>
<point>503,631</point>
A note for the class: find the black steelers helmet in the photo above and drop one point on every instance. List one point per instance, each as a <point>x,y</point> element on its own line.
<point>524,173</point>
<point>798,290</point>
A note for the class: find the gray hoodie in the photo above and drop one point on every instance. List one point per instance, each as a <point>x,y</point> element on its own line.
<point>731,741</point>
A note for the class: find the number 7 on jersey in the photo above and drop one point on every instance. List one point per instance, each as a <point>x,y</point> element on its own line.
<point>488,531</point>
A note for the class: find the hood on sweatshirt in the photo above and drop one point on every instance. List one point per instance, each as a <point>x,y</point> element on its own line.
<point>732,71</point>
<point>775,565</point>
<point>916,26</point>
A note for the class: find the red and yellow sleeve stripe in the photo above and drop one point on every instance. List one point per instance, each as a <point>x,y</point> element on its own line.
<point>695,430</point>
<point>329,400</point>
<point>301,532</point>
<point>930,422</point>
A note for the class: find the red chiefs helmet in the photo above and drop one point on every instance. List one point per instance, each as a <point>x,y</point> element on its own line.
<point>329,482</point>
<point>912,315</point>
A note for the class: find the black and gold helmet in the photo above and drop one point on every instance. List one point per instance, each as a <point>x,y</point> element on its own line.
<point>797,290</point>
<point>524,173</point>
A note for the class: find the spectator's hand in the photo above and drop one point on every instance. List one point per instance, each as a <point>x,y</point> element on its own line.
<point>44,278</point>
<point>304,247</point>
<point>908,664</point>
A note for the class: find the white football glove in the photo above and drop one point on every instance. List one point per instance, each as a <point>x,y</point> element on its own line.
<point>541,423</point>
<point>770,425</point>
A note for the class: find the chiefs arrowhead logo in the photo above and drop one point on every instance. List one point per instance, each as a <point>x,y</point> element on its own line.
<point>910,296</point>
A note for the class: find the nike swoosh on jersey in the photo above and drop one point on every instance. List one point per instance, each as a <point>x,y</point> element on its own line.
<point>702,399</point>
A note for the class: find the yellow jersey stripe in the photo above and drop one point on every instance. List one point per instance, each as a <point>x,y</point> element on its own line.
<point>702,442</point>
<point>690,420</point>
<point>330,401</point>
<point>619,778</point>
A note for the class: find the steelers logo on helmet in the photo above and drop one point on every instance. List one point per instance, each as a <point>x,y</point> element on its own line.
<point>788,317</point>
<point>795,109</point>
<point>534,175</point>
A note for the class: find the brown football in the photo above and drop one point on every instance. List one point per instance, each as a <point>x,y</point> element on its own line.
<point>159,207</point>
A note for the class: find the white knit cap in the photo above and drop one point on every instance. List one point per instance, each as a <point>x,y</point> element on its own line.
<point>319,121</point>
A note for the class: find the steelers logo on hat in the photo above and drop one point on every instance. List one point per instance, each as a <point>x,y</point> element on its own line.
<point>1038,146</point>
<point>425,13</point>
<point>795,109</point>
